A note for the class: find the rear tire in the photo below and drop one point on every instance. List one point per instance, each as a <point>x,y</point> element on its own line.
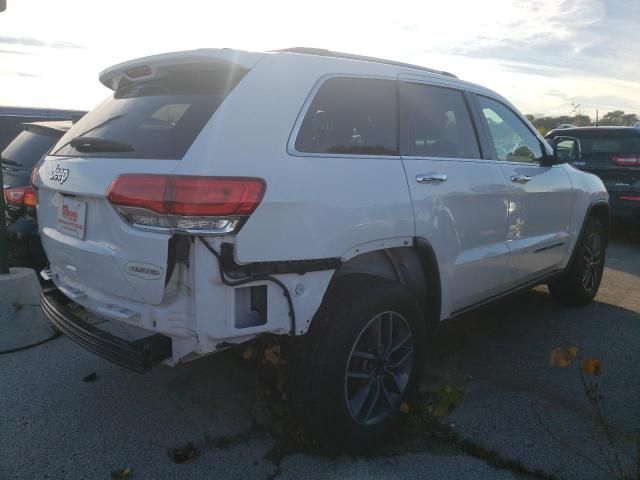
<point>580,283</point>
<point>360,361</point>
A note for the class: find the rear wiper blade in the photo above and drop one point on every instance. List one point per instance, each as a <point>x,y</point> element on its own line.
<point>100,125</point>
<point>96,144</point>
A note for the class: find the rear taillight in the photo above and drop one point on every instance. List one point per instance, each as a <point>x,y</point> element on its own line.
<point>630,198</point>
<point>34,174</point>
<point>186,203</point>
<point>23,195</point>
<point>626,160</point>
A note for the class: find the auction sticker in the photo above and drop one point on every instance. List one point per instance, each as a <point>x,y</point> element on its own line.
<point>71,217</point>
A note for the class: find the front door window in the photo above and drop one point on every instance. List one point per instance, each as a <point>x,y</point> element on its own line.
<point>512,139</point>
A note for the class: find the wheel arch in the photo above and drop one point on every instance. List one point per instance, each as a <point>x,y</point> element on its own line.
<point>599,210</point>
<point>415,267</point>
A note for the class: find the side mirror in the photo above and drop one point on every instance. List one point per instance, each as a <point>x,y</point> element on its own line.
<point>565,149</point>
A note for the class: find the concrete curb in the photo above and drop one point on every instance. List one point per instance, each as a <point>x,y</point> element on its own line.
<point>21,319</point>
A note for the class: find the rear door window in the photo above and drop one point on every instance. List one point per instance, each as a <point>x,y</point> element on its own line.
<point>435,122</point>
<point>158,118</point>
<point>351,116</point>
<point>26,149</point>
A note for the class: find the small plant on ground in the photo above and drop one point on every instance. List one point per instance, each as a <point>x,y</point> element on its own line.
<point>425,413</point>
<point>611,458</point>
<point>426,421</point>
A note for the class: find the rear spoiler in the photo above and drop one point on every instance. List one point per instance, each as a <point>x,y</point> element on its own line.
<point>55,127</point>
<point>146,68</point>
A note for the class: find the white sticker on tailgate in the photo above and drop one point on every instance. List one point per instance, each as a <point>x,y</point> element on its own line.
<point>71,215</point>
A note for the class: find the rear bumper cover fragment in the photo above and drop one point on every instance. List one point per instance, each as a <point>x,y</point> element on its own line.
<point>139,355</point>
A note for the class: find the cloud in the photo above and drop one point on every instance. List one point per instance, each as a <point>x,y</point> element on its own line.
<point>13,52</point>
<point>531,69</point>
<point>551,38</point>
<point>607,102</point>
<point>558,94</point>
<point>19,74</point>
<point>34,42</point>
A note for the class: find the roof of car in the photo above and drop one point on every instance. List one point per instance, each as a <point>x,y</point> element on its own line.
<point>133,69</point>
<point>351,56</point>
<point>594,129</point>
<point>244,59</point>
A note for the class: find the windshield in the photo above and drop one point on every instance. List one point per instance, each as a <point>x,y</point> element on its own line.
<point>26,149</point>
<point>159,118</point>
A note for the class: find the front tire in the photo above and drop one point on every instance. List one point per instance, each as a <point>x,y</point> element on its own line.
<point>580,283</point>
<point>360,361</point>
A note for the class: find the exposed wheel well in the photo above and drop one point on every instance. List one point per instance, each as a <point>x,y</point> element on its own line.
<point>414,267</point>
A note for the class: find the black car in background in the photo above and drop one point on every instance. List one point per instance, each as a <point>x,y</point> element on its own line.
<point>18,160</point>
<point>12,118</point>
<point>613,154</point>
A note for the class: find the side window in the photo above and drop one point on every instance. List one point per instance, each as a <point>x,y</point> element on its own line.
<point>353,116</point>
<point>513,140</point>
<point>566,150</point>
<point>435,122</point>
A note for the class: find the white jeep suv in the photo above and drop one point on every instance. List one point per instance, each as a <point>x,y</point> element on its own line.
<point>353,202</point>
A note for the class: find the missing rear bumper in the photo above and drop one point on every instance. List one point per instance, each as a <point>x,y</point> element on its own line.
<point>138,355</point>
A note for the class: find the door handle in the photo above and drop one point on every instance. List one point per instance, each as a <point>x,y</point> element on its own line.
<point>520,178</point>
<point>431,178</point>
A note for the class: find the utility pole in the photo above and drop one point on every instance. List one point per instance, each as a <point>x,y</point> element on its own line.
<point>596,117</point>
<point>4,241</point>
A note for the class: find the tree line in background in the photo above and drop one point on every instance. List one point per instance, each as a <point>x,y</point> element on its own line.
<point>616,118</point>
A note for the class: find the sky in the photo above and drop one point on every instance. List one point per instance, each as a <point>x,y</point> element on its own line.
<point>546,56</point>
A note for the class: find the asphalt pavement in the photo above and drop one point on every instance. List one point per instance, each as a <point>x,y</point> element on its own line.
<point>54,425</point>
<point>520,406</point>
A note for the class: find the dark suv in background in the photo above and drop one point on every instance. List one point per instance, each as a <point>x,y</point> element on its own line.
<point>12,119</point>
<point>613,154</point>
<point>18,160</point>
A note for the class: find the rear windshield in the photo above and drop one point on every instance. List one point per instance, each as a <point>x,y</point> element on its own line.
<point>159,118</point>
<point>608,143</point>
<point>27,148</point>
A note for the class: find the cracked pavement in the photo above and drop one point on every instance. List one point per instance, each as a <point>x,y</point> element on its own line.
<point>54,425</point>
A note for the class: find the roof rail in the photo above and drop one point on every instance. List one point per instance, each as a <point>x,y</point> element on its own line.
<point>322,52</point>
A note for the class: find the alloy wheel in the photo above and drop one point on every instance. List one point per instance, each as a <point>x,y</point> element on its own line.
<point>379,368</point>
<point>592,259</point>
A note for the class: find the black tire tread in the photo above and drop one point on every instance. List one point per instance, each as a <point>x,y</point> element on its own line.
<point>568,288</point>
<point>308,399</point>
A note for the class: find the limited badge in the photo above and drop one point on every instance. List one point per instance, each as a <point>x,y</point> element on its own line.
<point>146,271</point>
